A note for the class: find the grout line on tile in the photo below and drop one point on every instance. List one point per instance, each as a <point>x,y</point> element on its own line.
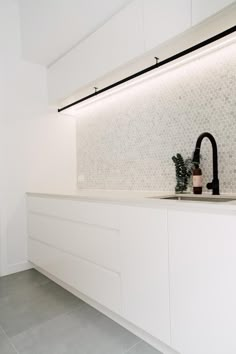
<point>51,319</point>
<point>9,340</point>
<point>133,346</point>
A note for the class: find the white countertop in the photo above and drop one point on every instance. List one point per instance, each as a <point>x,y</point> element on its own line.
<point>144,198</point>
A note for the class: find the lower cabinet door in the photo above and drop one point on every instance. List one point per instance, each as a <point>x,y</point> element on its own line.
<point>144,270</point>
<point>202,282</point>
<point>98,283</point>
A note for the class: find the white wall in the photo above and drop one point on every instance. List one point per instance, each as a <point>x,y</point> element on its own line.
<point>37,147</point>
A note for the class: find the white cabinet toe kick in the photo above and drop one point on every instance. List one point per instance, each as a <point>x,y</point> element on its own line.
<point>153,270</point>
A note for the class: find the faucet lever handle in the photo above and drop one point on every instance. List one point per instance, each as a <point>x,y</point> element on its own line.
<point>209,185</point>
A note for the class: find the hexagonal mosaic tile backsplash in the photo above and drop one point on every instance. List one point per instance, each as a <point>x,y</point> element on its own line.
<point>126,140</point>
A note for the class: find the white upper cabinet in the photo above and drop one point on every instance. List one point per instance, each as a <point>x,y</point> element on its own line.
<point>139,27</point>
<point>115,43</point>
<point>201,9</point>
<point>144,270</point>
<point>202,282</point>
<point>164,20</point>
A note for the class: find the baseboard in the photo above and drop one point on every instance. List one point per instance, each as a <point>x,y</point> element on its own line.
<point>163,348</point>
<point>18,267</point>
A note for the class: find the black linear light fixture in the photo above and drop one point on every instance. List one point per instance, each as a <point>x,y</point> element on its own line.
<point>153,67</point>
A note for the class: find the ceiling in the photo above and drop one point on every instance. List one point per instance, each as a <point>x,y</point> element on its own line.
<point>50,28</point>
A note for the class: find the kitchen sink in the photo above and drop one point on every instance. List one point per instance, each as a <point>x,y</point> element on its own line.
<point>198,198</point>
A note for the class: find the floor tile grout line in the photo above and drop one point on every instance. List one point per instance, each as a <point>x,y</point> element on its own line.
<point>34,286</point>
<point>1,330</point>
<point>80,304</point>
<point>9,341</point>
<point>49,320</point>
<point>133,346</point>
<point>77,304</point>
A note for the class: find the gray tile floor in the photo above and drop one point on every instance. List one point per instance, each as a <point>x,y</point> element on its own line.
<point>39,317</point>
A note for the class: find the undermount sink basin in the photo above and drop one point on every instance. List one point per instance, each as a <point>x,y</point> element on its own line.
<point>199,199</point>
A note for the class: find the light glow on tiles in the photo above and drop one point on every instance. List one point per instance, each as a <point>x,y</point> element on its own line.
<point>126,141</point>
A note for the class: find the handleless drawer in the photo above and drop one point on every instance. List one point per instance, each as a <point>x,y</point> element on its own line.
<point>95,213</point>
<point>101,285</point>
<point>93,243</point>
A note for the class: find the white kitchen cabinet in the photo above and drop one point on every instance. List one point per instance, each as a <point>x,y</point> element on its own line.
<point>96,244</point>
<point>170,273</point>
<point>94,281</point>
<point>202,282</point>
<point>202,9</point>
<point>116,255</point>
<point>115,43</point>
<point>100,214</point>
<point>164,20</point>
<point>144,270</point>
<point>78,242</point>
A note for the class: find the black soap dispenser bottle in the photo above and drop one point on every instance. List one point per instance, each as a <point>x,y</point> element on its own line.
<point>197,180</point>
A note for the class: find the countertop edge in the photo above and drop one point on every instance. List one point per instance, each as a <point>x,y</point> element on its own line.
<point>143,199</point>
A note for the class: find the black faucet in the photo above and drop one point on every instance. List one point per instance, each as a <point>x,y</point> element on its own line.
<point>214,185</point>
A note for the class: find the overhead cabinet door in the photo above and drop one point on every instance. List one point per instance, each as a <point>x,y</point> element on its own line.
<point>164,20</point>
<point>114,44</point>
<point>202,9</point>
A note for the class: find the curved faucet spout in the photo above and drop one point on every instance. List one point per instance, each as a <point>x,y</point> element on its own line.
<point>214,185</point>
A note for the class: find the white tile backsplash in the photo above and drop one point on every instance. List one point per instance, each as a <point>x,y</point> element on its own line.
<point>126,140</point>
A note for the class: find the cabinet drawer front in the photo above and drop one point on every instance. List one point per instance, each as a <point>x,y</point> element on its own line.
<point>100,214</point>
<point>93,281</point>
<point>90,242</point>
